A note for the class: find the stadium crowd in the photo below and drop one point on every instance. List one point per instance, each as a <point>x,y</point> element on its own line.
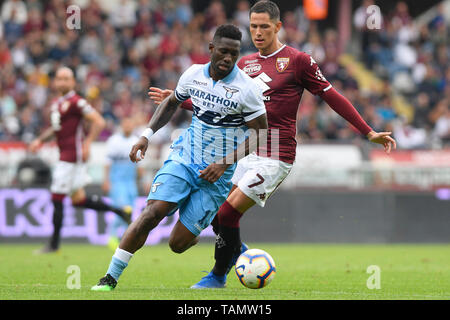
<point>118,53</point>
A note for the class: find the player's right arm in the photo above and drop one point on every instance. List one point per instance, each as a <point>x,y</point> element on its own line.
<point>106,183</point>
<point>160,118</point>
<point>258,133</point>
<point>45,136</point>
<point>163,114</point>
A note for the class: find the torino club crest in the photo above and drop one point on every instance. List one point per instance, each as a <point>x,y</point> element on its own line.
<point>282,64</point>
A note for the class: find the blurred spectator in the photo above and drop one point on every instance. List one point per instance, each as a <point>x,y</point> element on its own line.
<point>442,125</point>
<point>14,16</point>
<point>126,46</point>
<point>1,29</point>
<point>124,14</point>
<point>415,60</point>
<point>242,13</point>
<point>183,12</point>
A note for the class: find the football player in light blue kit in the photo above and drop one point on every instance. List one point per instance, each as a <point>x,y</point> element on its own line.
<point>196,178</point>
<point>121,176</point>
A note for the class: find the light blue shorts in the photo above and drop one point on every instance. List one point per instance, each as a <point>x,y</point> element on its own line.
<point>198,200</point>
<point>123,194</point>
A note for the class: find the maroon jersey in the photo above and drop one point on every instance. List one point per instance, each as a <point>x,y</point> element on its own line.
<point>66,120</point>
<point>283,75</point>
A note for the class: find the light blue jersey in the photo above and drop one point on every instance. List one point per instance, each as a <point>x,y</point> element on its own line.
<point>122,172</point>
<point>221,109</point>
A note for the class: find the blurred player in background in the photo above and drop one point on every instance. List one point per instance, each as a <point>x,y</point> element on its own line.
<point>121,177</point>
<point>70,173</point>
<point>283,73</point>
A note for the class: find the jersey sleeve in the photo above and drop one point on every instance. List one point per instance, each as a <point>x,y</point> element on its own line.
<point>253,104</point>
<point>309,75</point>
<point>110,149</point>
<point>187,105</point>
<point>84,107</point>
<point>182,91</point>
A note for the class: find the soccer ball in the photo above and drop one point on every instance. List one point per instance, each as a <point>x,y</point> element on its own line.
<point>255,268</point>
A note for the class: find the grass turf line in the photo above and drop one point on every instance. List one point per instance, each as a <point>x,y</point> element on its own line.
<point>304,271</point>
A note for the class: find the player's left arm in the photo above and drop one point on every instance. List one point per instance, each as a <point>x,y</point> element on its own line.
<point>345,109</point>
<point>309,75</point>
<point>254,113</point>
<point>258,134</point>
<point>106,186</point>
<point>97,123</point>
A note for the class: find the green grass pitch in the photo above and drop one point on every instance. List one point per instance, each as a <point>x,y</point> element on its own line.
<point>304,271</point>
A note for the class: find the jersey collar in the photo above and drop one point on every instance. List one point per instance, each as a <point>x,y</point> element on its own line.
<point>68,95</point>
<point>230,77</point>
<point>273,53</point>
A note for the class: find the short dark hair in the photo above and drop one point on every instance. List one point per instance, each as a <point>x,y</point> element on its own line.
<point>228,31</point>
<point>268,7</point>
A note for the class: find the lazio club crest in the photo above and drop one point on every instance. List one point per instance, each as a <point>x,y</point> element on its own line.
<point>229,92</point>
<point>155,186</point>
<point>282,64</point>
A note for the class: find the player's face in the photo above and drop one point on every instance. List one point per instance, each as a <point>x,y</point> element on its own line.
<point>263,30</point>
<point>127,126</point>
<point>64,81</point>
<point>224,54</point>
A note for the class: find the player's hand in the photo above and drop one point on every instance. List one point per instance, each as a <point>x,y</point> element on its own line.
<point>213,172</point>
<point>158,95</point>
<point>106,186</point>
<point>141,146</point>
<point>35,145</point>
<point>85,151</point>
<point>383,138</point>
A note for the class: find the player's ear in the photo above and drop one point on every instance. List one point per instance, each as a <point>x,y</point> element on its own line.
<point>278,26</point>
<point>211,47</point>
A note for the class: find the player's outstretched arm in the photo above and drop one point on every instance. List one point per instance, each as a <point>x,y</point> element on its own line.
<point>45,136</point>
<point>160,118</point>
<point>258,136</point>
<point>345,109</point>
<point>157,95</point>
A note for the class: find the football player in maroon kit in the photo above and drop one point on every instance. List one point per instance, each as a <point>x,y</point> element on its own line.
<point>282,73</point>
<point>70,174</point>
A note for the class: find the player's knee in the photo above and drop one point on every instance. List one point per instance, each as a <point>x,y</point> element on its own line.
<point>151,215</point>
<point>177,246</point>
<point>78,198</point>
<point>181,245</point>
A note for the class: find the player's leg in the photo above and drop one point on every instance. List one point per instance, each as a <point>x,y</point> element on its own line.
<point>181,238</point>
<point>167,192</point>
<point>195,214</point>
<point>81,199</point>
<point>133,239</point>
<point>257,178</point>
<point>57,220</point>
<point>121,195</point>
<point>215,221</point>
<point>137,233</point>
<point>228,244</point>
<point>228,241</point>
<point>62,175</point>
